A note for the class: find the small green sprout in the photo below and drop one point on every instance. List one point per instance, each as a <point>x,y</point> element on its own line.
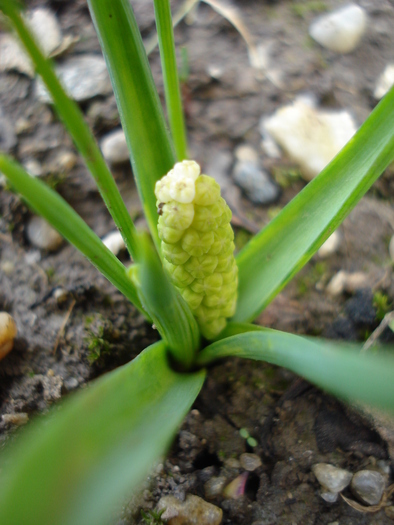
<point>152,517</point>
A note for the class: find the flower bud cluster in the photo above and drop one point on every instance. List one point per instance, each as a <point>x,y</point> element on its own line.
<point>197,244</point>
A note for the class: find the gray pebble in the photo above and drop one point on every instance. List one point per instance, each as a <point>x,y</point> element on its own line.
<point>192,511</point>
<point>250,462</point>
<point>42,235</point>
<point>368,486</point>
<point>83,77</point>
<point>255,182</point>
<point>71,383</point>
<point>331,478</point>
<point>214,486</point>
<point>7,133</point>
<point>329,497</point>
<point>114,147</point>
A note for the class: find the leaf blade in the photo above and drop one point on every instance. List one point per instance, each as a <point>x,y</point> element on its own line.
<point>74,121</point>
<point>98,446</point>
<point>61,216</point>
<point>339,369</point>
<point>151,150</point>
<point>278,252</point>
<point>172,91</point>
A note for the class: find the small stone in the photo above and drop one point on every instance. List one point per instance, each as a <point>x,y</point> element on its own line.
<point>368,486</point>
<point>71,383</point>
<point>249,175</point>
<point>341,30</point>
<point>311,137</point>
<point>385,81</point>
<point>42,235</point>
<point>390,512</point>
<point>17,419</point>
<point>60,295</point>
<point>232,463</point>
<point>114,147</point>
<point>63,162</point>
<point>114,242</point>
<point>83,77</point>
<point>329,497</point>
<point>192,511</point>
<point>8,333</point>
<point>347,282</point>
<point>45,28</point>
<point>7,133</point>
<point>13,57</point>
<point>214,487</point>
<point>330,246</point>
<point>383,467</point>
<point>8,268</point>
<point>250,462</point>
<point>33,167</point>
<point>391,248</point>
<point>331,478</point>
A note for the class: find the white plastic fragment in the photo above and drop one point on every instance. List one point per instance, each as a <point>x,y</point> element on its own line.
<point>114,147</point>
<point>341,30</point>
<point>310,136</point>
<point>114,242</point>
<point>385,82</point>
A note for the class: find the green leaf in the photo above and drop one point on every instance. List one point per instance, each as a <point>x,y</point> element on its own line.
<point>170,313</point>
<point>73,118</point>
<point>165,35</point>
<point>77,465</point>
<point>151,150</point>
<point>46,202</point>
<point>278,252</point>
<point>338,369</point>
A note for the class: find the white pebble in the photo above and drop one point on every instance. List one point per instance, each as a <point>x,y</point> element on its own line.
<point>347,282</point>
<point>330,246</point>
<point>385,82</point>
<point>13,57</point>
<point>45,28</point>
<point>311,137</point>
<point>341,30</point>
<point>114,147</point>
<point>114,242</point>
<point>42,235</point>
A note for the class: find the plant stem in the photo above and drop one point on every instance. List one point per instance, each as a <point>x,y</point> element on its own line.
<point>165,35</point>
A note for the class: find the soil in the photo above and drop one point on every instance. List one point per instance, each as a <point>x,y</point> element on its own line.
<point>62,345</point>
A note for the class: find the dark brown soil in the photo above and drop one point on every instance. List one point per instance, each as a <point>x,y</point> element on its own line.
<point>293,423</point>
